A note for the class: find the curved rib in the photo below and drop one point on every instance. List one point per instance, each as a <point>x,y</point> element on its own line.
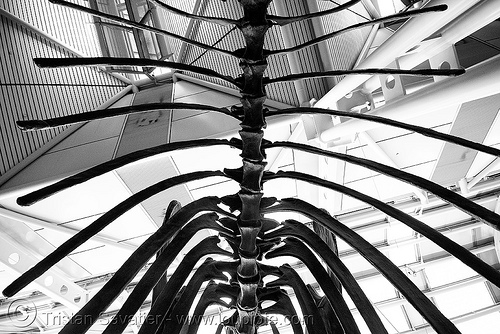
<point>186,213</point>
<point>274,328</point>
<point>210,269</point>
<point>389,18</point>
<point>479,212</point>
<point>369,71</point>
<point>160,266</point>
<point>171,209</point>
<point>332,323</point>
<point>307,304</point>
<point>108,166</point>
<point>113,112</point>
<point>141,26</point>
<point>212,295</point>
<point>390,271</point>
<point>447,244</point>
<point>300,231</point>
<point>160,307</point>
<point>111,290</point>
<point>283,305</point>
<point>112,61</point>
<point>281,21</point>
<point>298,250</point>
<point>386,121</point>
<point>217,20</point>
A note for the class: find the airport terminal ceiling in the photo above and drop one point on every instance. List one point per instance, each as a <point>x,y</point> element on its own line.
<point>466,106</point>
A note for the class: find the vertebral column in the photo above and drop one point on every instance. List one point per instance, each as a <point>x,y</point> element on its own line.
<point>253,26</point>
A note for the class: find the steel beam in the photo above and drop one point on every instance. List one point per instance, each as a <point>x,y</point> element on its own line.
<point>410,34</point>
<point>396,243</point>
<point>139,38</point>
<point>52,283</point>
<point>479,81</point>
<point>37,245</point>
<point>465,186</point>
<point>189,29</point>
<point>472,20</point>
<point>57,228</point>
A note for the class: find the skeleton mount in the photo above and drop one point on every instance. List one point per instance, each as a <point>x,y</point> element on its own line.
<point>250,234</point>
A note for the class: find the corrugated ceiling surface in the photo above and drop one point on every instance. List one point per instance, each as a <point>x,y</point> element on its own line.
<point>225,37</point>
<point>28,92</point>
<point>73,28</point>
<point>175,23</point>
<point>345,48</point>
<point>309,59</point>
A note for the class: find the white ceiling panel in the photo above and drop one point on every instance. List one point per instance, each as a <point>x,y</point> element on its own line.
<point>101,260</point>
<point>132,224</point>
<point>184,88</point>
<point>487,324</point>
<point>219,189</point>
<point>56,239</point>
<point>402,255</point>
<point>206,158</point>
<point>439,119</point>
<point>394,319</point>
<point>205,125</point>
<point>144,173</point>
<point>444,272</point>
<point>465,300</point>
<point>95,196</point>
<point>378,289</point>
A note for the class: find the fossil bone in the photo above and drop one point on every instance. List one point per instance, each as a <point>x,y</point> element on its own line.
<point>163,235</point>
<point>298,230</point>
<point>154,273</point>
<point>477,211</point>
<point>447,244</point>
<point>421,303</point>
<point>249,233</point>
<point>296,249</point>
<point>377,119</point>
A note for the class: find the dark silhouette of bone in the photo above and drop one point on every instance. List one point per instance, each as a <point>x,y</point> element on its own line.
<point>291,228</point>
<point>447,244</point>
<point>342,314</point>
<point>392,273</point>
<point>250,234</point>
